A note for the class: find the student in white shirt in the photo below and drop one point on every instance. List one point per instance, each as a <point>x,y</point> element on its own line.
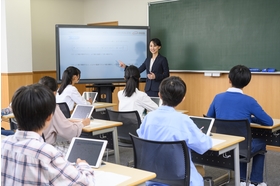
<point>67,92</point>
<point>131,98</point>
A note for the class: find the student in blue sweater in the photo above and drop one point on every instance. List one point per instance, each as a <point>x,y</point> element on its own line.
<point>233,104</point>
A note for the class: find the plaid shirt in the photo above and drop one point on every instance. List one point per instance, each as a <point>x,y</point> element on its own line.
<point>27,160</point>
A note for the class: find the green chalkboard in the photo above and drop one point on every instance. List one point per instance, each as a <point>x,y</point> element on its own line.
<point>218,34</point>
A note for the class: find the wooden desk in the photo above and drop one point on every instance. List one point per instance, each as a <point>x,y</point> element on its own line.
<point>137,176</point>
<point>273,128</point>
<point>214,157</point>
<point>98,126</point>
<point>269,133</point>
<point>182,111</point>
<point>101,106</point>
<point>9,116</point>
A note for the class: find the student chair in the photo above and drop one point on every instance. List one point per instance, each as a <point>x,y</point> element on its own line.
<point>239,128</point>
<point>65,109</point>
<point>131,122</point>
<point>168,159</point>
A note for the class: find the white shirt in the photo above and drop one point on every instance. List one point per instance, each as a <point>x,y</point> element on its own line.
<point>71,95</point>
<point>138,101</point>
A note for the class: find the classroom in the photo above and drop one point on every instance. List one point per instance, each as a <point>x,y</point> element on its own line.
<point>28,50</point>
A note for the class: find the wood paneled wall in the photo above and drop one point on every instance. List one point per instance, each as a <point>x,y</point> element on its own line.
<point>200,89</point>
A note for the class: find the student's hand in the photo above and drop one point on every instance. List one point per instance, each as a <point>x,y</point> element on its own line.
<point>122,64</point>
<point>151,75</point>
<point>80,161</point>
<point>86,121</point>
<point>90,100</point>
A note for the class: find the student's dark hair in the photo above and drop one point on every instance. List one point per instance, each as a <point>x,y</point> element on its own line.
<point>240,76</point>
<point>49,82</point>
<point>172,91</point>
<point>67,77</point>
<point>131,76</point>
<point>32,105</point>
<point>156,41</point>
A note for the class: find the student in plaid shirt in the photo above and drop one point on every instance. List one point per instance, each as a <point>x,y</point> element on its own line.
<point>25,158</point>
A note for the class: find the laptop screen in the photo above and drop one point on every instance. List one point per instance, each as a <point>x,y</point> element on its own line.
<point>157,100</point>
<point>82,111</point>
<point>91,95</point>
<point>205,124</point>
<point>91,150</point>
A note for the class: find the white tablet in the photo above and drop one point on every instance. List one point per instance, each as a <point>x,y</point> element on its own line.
<point>157,100</point>
<point>91,95</point>
<point>82,111</point>
<point>90,150</point>
<point>203,123</point>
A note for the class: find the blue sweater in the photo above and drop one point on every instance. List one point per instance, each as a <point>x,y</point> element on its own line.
<point>235,105</point>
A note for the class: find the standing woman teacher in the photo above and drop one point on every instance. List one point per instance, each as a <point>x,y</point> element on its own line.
<point>156,67</point>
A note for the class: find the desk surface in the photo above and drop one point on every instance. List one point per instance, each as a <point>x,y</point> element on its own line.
<point>99,105</point>
<point>229,140</point>
<point>182,111</point>
<point>98,124</point>
<point>96,105</point>
<point>274,127</point>
<point>137,176</point>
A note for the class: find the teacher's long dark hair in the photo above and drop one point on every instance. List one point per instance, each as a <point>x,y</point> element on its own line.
<point>131,76</point>
<point>67,77</point>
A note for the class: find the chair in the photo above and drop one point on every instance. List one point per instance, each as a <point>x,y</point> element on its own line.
<point>65,109</point>
<point>131,122</point>
<point>168,159</point>
<point>238,128</point>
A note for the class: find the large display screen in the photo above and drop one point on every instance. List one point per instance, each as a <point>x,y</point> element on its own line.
<point>97,50</point>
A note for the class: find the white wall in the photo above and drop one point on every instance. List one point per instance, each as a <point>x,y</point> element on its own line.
<point>17,51</point>
<point>45,14</point>
<point>127,12</point>
<point>38,18</point>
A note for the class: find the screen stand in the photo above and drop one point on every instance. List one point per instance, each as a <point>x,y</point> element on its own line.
<point>104,92</point>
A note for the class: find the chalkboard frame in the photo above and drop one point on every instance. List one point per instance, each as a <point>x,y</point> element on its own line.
<point>181,64</point>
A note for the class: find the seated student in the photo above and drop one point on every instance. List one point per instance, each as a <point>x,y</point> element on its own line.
<point>67,92</point>
<point>6,111</point>
<point>61,130</point>
<point>166,124</point>
<point>25,158</point>
<point>131,98</point>
<point>233,104</point>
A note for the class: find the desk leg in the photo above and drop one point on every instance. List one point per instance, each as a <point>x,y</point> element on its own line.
<point>116,145</point>
<point>236,165</point>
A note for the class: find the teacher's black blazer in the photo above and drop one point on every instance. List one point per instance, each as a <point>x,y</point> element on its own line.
<point>160,69</point>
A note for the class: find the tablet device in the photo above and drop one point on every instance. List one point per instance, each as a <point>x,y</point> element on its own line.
<point>205,124</point>
<point>91,95</point>
<point>157,100</point>
<point>90,150</point>
<point>82,112</point>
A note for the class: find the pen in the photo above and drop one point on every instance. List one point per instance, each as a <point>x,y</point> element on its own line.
<point>202,128</point>
<point>87,115</point>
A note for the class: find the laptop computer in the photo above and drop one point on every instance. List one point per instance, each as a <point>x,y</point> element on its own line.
<point>82,112</point>
<point>205,124</point>
<point>91,150</point>
<point>157,100</point>
<point>91,95</point>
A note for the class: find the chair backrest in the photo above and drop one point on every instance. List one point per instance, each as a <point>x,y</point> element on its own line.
<point>131,122</point>
<point>65,109</point>
<point>236,128</point>
<point>168,159</point>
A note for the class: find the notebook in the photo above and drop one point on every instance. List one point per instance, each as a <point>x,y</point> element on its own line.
<point>91,95</point>
<point>90,150</point>
<point>82,111</point>
<point>205,124</point>
<point>157,100</point>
